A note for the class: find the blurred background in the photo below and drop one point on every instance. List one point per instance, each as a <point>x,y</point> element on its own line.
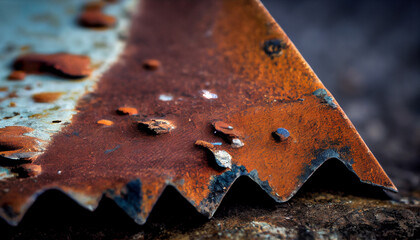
<point>367,53</point>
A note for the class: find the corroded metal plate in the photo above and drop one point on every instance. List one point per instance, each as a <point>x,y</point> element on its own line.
<point>218,60</point>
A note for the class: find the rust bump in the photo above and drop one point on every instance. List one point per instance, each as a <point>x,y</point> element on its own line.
<point>281,134</point>
<point>274,47</point>
<point>127,111</point>
<point>105,122</point>
<point>222,158</point>
<point>205,144</point>
<point>227,131</point>
<point>151,64</point>
<point>17,75</point>
<point>46,97</point>
<point>93,17</point>
<point>13,95</point>
<point>63,64</point>
<point>157,126</point>
<point>15,145</point>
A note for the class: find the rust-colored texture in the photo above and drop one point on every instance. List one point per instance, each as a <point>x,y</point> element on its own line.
<point>64,64</point>
<point>46,97</point>
<point>17,76</point>
<point>93,17</point>
<point>259,83</point>
<point>14,144</point>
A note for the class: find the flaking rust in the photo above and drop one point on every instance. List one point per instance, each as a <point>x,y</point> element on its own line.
<point>63,64</point>
<point>224,59</point>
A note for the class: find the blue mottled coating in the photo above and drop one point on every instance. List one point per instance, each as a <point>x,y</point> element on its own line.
<point>130,198</point>
<point>283,132</point>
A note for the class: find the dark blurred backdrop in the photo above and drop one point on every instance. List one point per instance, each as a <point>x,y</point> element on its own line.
<point>367,53</point>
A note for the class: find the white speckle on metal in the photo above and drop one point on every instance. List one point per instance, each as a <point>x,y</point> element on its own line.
<point>237,143</point>
<point>223,158</point>
<point>59,172</point>
<point>208,95</point>
<point>166,97</point>
<point>52,34</point>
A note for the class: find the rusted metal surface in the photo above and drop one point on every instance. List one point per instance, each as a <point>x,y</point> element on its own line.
<point>218,61</point>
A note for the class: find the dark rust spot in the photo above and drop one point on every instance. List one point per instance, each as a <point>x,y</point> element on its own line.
<point>47,97</point>
<point>274,47</point>
<point>27,170</point>
<point>13,95</point>
<point>63,64</point>
<point>17,75</point>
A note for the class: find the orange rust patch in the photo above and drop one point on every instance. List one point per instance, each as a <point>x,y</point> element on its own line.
<point>4,89</point>
<point>15,145</point>
<point>12,104</point>
<point>63,64</point>
<point>17,75</point>
<point>105,122</point>
<point>46,97</point>
<point>127,111</point>
<point>151,64</point>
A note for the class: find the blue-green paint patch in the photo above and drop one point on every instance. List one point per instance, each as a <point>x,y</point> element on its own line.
<point>323,155</point>
<point>45,27</point>
<point>322,94</point>
<point>111,150</point>
<point>5,173</point>
<point>263,184</point>
<point>130,198</point>
<point>219,185</point>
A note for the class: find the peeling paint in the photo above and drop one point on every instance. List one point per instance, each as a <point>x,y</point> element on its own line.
<point>323,95</point>
<point>48,39</point>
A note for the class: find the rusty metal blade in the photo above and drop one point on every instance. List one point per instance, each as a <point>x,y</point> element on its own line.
<point>192,69</point>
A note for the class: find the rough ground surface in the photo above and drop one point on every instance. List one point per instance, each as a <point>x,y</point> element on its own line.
<point>367,53</point>
<point>332,205</point>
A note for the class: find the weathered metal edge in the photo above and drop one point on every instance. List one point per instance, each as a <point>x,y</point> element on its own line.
<point>218,197</point>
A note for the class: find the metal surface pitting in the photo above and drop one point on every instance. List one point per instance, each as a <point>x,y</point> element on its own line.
<point>225,62</point>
